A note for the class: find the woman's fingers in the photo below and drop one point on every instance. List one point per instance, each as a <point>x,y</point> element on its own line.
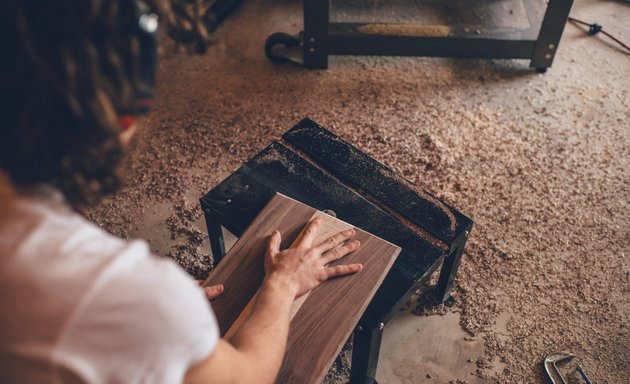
<point>213,291</point>
<point>273,242</point>
<point>305,240</point>
<point>339,252</point>
<point>341,270</point>
<point>334,241</point>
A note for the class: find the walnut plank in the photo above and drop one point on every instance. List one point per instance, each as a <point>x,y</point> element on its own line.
<point>325,318</point>
<point>242,269</point>
<point>328,228</point>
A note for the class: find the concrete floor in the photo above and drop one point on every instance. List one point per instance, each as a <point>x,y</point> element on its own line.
<point>539,161</point>
<point>429,349</point>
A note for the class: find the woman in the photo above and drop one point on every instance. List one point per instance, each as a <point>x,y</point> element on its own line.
<point>78,304</point>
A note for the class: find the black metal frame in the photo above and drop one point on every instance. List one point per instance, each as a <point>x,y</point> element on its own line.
<point>366,347</point>
<point>236,200</point>
<point>322,38</point>
<point>215,235</point>
<point>367,335</point>
<point>450,265</point>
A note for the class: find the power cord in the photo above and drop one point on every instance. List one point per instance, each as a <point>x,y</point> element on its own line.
<point>594,29</point>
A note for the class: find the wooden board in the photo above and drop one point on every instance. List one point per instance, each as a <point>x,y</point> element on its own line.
<point>322,320</point>
<point>328,228</point>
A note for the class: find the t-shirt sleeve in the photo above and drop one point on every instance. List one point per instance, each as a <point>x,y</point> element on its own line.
<point>144,320</point>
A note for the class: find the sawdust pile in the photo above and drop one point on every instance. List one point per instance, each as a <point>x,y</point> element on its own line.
<point>540,162</point>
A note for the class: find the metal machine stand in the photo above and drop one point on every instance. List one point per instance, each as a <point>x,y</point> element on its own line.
<point>322,38</point>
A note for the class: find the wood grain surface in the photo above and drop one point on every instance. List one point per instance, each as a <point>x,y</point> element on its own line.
<point>327,228</point>
<point>322,320</point>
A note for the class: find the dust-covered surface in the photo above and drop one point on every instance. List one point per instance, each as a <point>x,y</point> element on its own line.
<point>540,162</point>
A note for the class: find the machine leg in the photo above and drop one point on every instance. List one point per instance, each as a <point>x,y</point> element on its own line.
<point>366,347</point>
<point>450,267</point>
<point>316,18</point>
<point>215,235</point>
<point>550,33</point>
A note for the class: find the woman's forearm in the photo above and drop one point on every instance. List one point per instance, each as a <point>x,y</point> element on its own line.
<point>263,336</point>
<point>254,353</point>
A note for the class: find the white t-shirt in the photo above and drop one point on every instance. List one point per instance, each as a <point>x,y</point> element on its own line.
<point>80,305</point>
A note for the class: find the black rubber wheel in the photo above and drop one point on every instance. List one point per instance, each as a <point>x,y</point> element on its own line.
<point>276,39</point>
<point>541,69</point>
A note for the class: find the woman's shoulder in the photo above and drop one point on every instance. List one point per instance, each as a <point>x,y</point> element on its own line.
<point>96,297</point>
<point>153,321</point>
<point>42,238</point>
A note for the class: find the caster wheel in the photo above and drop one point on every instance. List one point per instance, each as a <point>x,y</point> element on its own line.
<point>278,41</point>
<point>541,69</point>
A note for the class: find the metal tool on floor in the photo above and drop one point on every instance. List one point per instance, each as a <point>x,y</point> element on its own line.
<point>554,359</point>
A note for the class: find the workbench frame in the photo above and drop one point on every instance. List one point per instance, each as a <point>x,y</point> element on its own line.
<point>322,38</point>
<point>316,167</point>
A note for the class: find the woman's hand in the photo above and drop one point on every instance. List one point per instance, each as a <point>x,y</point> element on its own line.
<point>305,265</point>
<point>213,291</point>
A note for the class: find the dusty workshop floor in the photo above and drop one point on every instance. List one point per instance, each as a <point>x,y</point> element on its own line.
<point>540,162</point>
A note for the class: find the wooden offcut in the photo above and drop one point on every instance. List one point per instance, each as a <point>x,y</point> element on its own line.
<point>323,319</point>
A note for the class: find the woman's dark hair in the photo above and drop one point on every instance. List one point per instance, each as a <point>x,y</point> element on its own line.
<point>66,68</point>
